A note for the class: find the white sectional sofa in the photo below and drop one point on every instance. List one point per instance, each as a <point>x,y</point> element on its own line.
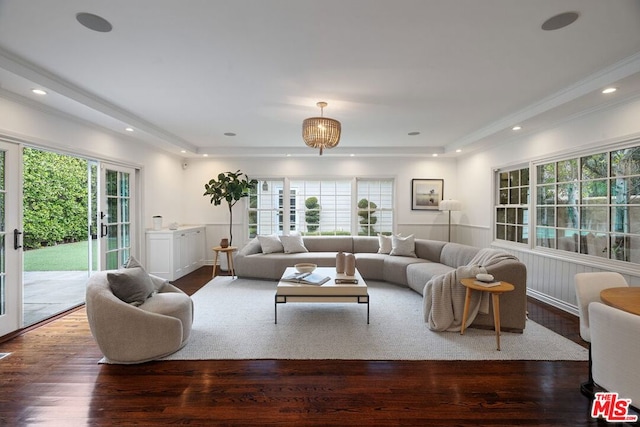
<point>432,258</point>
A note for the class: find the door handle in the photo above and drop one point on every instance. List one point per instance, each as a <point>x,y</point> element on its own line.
<point>103,230</point>
<point>16,238</point>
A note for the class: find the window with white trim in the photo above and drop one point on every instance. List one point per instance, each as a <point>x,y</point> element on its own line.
<point>591,204</point>
<point>321,207</point>
<point>266,208</point>
<point>512,210</point>
<point>375,206</point>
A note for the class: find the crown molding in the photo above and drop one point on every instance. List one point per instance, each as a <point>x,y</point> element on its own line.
<point>20,67</point>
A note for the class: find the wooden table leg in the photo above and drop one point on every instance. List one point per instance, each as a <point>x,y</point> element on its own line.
<point>232,270</point>
<point>465,313</point>
<point>495,298</point>
<point>215,264</point>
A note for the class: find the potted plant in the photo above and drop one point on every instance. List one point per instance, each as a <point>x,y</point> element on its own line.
<point>230,187</point>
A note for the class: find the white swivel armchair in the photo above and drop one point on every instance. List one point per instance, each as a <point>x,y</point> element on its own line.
<point>588,288</point>
<point>615,348</point>
<point>129,334</point>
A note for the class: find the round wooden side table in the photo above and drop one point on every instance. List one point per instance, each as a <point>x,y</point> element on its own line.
<point>229,251</point>
<point>473,284</point>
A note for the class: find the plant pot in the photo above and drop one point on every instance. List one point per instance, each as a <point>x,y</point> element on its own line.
<point>224,243</point>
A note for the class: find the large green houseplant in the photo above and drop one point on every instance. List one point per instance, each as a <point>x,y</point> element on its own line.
<point>229,187</point>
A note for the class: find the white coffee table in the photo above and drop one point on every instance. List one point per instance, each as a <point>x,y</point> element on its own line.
<point>287,292</point>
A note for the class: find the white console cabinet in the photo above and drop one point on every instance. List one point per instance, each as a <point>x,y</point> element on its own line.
<point>173,253</point>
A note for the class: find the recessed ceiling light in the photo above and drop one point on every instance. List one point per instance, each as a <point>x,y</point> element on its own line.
<point>94,22</point>
<point>352,155</point>
<point>39,91</point>
<point>435,154</point>
<point>288,155</point>
<point>413,133</point>
<point>129,129</point>
<point>560,21</point>
<point>183,151</point>
<point>229,134</point>
<point>205,155</point>
<point>610,90</point>
<point>517,127</point>
<point>458,150</point>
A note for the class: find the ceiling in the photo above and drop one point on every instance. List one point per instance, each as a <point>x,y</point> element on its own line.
<point>181,74</point>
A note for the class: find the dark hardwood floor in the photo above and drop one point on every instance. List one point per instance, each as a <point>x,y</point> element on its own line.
<point>52,377</point>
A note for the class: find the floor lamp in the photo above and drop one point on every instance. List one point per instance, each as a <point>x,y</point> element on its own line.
<point>450,205</point>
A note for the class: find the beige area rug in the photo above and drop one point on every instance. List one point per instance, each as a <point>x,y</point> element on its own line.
<point>234,319</point>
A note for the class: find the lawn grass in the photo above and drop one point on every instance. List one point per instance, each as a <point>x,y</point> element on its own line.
<point>63,257</point>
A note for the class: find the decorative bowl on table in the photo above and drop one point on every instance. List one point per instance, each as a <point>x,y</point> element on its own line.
<point>305,267</point>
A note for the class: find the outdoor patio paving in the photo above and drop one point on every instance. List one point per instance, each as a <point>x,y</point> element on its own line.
<point>47,293</point>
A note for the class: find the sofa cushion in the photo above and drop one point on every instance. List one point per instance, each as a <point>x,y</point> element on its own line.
<point>456,255</point>
<point>403,246</point>
<point>395,268</point>
<point>131,285</point>
<point>270,244</point>
<point>370,266</point>
<point>365,244</point>
<point>419,274</point>
<point>329,243</point>
<point>385,244</point>
<point>293,244</point>
<point>429,249</point>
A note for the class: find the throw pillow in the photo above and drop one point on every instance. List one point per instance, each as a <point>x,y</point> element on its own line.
<point>253,247</point>
<point>385,244</point>
<point>131,285</point>
<point>403,246</point>
<point>293,244</point>
<point>270,244</point>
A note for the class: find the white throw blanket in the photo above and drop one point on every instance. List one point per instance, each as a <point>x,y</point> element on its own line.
<point>444,295</point>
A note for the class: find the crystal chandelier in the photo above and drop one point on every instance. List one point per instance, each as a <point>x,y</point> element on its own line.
<point>321,132</point>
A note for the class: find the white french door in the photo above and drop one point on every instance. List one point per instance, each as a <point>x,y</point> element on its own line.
<point>10,238</point>
<point>116,215</point>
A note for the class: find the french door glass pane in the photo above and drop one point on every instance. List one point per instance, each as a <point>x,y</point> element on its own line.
<point>112,237</point>
<point>112,183</point>
<point>112,260</point>
<point>124,185</point>
<point>112,209</point>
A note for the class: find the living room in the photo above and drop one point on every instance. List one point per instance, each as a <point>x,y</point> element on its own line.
<point>560,119</point>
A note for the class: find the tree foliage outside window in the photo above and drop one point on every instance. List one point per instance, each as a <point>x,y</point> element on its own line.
<point>54,198</point>
<point>312,214</point>
<point>368,219</point>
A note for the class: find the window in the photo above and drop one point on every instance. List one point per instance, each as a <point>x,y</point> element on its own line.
<point>321,207</point>
<point>375,206</point>
<point>266,208</point>
<point>512,211</point>
<point>588,204</point>
<point>591,205</point>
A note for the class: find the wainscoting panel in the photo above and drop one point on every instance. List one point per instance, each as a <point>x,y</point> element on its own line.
<point>550,277</point>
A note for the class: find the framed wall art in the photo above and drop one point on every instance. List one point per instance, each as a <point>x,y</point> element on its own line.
<point>426,194</point>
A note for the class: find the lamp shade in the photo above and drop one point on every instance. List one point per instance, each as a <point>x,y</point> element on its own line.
<point>321,132</point>
<point>450,205</point>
